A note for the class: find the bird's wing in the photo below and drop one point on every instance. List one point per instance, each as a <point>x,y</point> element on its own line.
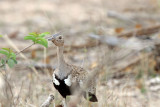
<point>80,75</point>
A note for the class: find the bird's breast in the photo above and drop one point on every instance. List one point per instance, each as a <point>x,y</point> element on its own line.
<point>63,85</point>
<point>66,80</point>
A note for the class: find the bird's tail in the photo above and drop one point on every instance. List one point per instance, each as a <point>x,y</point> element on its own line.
<point>91,97</point>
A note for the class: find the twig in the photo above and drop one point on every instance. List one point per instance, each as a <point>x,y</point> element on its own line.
<point>19,53</point>
<point>25,48</point>
<point>68,48</point>
<point>48,101</point>
<point>37,65</point>
<point>142,31</point>
<point>16,48</point>
<point>19,92</point>
<point>8,89</point>
<point>109,40</point>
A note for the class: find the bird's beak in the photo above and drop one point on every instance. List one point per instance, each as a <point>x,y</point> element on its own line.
<point>53,36</point>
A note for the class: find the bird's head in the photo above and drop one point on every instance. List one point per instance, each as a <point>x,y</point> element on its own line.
<point>57,39</point>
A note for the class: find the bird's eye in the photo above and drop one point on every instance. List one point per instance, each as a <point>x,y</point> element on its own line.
<point>60,37</point>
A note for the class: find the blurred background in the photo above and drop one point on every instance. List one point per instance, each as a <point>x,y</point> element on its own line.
<point>120,39</point>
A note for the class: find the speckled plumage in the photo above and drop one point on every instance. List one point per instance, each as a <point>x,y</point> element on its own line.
<point>67,79</point>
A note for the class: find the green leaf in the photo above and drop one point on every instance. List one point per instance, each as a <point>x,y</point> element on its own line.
<point>2,61</point>
<point>1,36</point>
<point>4,52</point>
<point>15,61</point>
<point>44,34</point>
<point>34,34</point>
<point>43,42</point>
<point>38,38</point>
<point>11,63</point>
<point>30,38</point>
<point>13,56</point>
<point>7,49</point>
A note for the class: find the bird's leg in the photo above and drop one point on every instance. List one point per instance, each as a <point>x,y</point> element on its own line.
<point>64,103</point>
<point>54,105</point>
<point>90,104</point>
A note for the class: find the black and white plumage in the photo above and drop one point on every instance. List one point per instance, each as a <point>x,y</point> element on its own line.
<point>61,86</point>
<point>68,79</point>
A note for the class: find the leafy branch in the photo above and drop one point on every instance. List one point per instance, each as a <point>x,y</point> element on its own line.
<point>38,38</point>
<point>10,56</point>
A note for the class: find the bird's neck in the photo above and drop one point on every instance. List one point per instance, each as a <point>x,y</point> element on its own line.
<point>61,61</point>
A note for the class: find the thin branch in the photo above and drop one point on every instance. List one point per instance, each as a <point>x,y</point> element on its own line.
<point>19,53</point>
<point>19,92</point>
<point>8,89</point>
<point>25,48</point>
<point>16,48</point>
<point>143,31</point>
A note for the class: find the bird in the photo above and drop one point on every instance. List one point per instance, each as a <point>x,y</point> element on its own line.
<point>68,78</point>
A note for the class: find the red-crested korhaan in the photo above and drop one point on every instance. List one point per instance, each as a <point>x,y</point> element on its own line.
<point>67,79</point>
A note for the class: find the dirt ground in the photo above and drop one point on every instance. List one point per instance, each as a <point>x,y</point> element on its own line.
<point>77,19</point>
